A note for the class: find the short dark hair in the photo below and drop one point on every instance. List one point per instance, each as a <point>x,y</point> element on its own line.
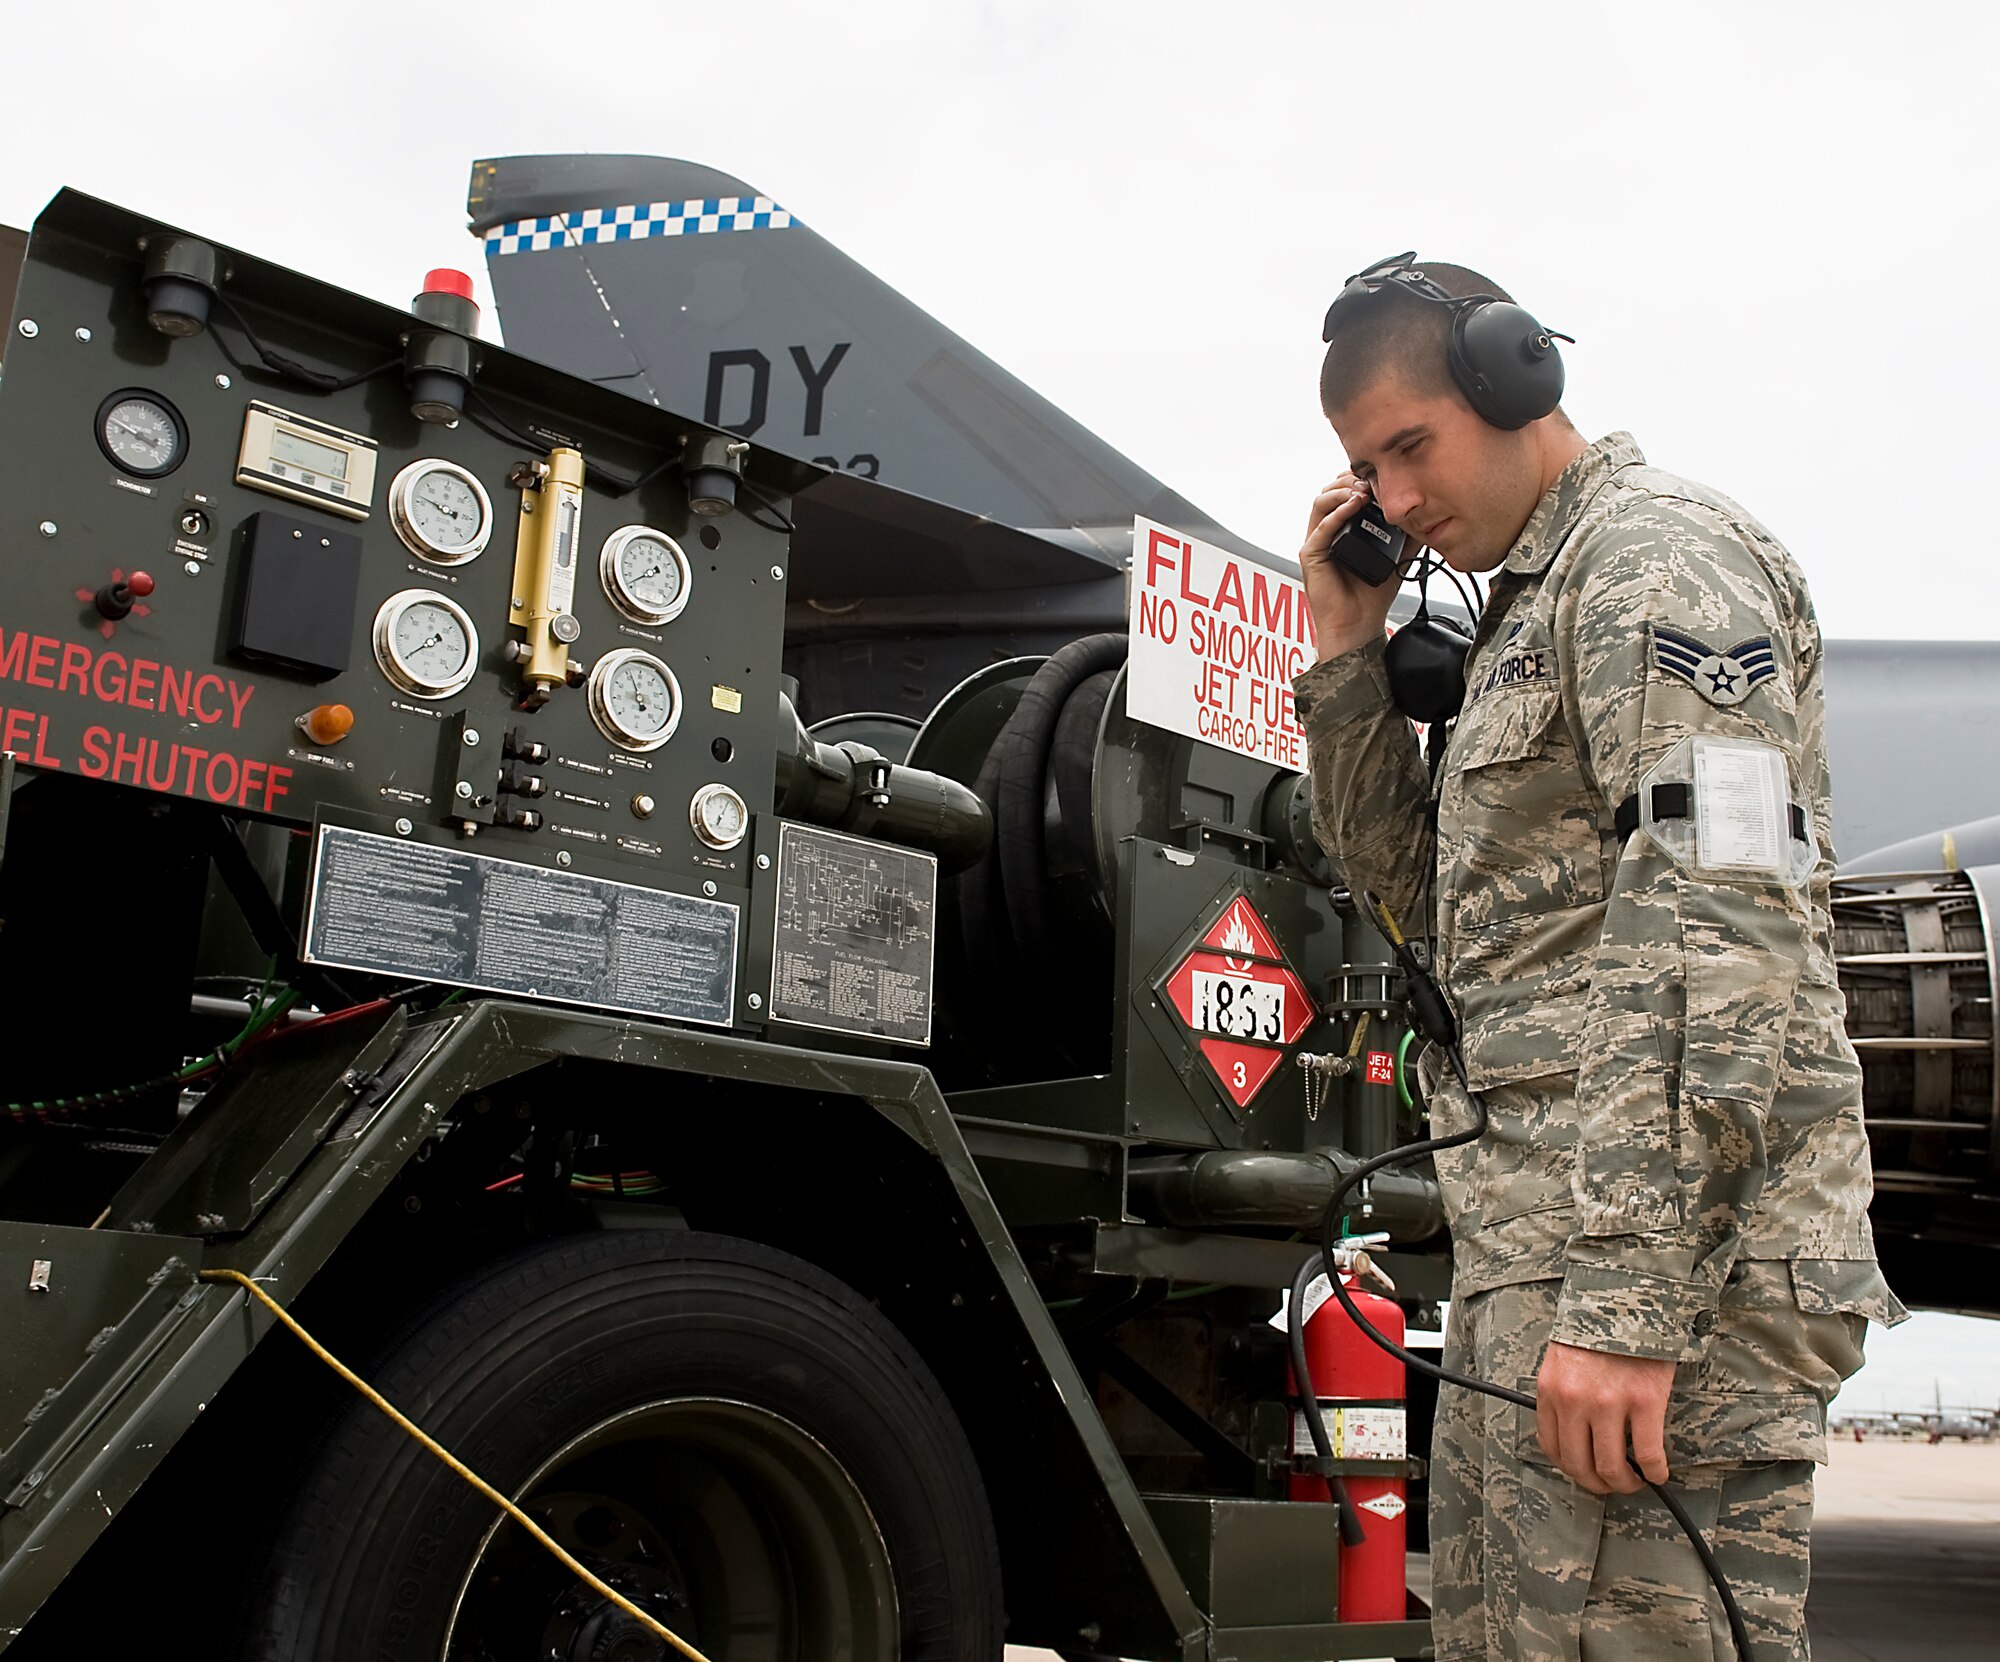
<point>1393,330</point>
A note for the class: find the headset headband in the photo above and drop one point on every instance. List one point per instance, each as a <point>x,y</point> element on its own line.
<point>1399,272</point>
<point>1504,361</point>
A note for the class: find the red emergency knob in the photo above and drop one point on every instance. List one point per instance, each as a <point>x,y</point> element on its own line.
<point>116,598</point>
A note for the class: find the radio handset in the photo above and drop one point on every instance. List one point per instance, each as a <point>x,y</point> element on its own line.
<point>1370,547</point>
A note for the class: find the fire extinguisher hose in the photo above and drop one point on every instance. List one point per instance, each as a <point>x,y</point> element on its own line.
<point>1351,1532</point>
<point>1434,1016</point>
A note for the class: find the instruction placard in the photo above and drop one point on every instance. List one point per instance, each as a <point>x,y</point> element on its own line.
<point>415,909</point>
<point>1741,807</point>
<point>1216,640</point>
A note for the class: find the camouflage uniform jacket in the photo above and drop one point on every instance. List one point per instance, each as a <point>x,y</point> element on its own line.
<point>1683,1093</point>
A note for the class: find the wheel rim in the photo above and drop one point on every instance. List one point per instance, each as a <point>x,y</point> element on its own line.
<point>729,1523</point>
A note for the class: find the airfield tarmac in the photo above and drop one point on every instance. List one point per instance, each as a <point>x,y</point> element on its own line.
<point>1906,1555</point>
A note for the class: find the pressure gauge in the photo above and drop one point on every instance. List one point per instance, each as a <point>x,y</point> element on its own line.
<point>440,511</point>
<point>719,816</point>
<point>634,699</point>
<point>425,643</point>
<point>645,574</point>
<point>142,433</point>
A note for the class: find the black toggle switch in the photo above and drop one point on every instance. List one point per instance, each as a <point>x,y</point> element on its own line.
<point>515,780</point>
<point>116,600</point>
<point>517,743</point>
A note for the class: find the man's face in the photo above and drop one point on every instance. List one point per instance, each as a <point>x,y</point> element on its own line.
<point>1448,478</point>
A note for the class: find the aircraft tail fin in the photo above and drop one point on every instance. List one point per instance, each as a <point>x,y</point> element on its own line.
<point>690,288</point>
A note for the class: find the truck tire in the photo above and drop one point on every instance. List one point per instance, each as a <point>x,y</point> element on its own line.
<point>735,1440</point>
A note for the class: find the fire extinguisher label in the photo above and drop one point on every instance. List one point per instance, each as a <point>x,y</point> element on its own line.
<point>1384,1506</point>
<point>1357,1433</point>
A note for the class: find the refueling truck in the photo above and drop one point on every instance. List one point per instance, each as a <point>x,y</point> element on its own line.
<point>836,1181</point>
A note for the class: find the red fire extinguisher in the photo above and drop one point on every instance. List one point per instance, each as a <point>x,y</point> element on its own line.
<point>1361,1392</point>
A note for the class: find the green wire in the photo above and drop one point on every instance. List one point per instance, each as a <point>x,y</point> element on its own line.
<point>1402,1073</point>
<point>262,1015</point>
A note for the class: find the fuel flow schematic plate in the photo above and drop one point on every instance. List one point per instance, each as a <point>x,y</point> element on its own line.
<point>856,936</point>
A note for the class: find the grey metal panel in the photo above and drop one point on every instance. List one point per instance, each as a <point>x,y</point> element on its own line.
<point>1913,738</point>
<point>1952,848</point>
<point>63,1291</point>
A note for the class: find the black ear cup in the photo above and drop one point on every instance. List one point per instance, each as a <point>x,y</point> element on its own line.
<point>1426,664</point>
<point>1505,363</point>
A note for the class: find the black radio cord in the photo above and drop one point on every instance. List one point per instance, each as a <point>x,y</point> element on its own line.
<point>1434,1018</point>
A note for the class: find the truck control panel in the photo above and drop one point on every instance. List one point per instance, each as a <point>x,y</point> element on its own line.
<point>504,643</point>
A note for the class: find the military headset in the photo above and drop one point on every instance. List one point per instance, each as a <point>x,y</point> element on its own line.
<point>1506,364</point>
<point>1501,358</point>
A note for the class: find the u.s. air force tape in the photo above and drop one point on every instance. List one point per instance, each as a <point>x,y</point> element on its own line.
<point>1724,808</point>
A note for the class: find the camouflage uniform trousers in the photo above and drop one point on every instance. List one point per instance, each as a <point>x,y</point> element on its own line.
<point>1527,1567</point>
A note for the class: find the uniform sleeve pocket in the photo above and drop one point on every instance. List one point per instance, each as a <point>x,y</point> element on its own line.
<point>1628,1177</point>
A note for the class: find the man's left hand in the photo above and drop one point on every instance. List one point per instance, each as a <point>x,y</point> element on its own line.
<point>1591,1405</point>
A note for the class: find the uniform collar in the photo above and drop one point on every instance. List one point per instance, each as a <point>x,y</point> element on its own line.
<point>1559,510</point>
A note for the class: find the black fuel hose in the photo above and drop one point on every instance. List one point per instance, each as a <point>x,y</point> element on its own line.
<point>1012,929</point>
<point>1446,1038</point>
<point>1020,762</point>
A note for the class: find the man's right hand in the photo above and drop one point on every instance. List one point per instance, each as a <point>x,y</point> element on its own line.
<point>1347,613</point>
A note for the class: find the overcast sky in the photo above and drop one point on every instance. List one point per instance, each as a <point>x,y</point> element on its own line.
<point>1771,227</point>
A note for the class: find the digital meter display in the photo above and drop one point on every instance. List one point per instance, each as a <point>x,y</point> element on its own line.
<point>323,459</point>
<point>307,460</point>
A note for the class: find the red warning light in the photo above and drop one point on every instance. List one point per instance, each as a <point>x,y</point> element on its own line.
<point>444,280</point>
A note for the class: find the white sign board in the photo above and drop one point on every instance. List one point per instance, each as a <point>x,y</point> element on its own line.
<point>1216,640</point>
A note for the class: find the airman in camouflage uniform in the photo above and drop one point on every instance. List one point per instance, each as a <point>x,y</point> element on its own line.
<point>1676,1169</point>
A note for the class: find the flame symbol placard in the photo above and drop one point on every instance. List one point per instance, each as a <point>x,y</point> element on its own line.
<point>1237,941</point>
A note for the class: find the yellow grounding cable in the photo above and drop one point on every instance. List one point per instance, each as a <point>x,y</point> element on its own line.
<point>438,1451</point>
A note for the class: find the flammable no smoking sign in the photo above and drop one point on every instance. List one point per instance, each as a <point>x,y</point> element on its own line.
<point>1244,1005</point>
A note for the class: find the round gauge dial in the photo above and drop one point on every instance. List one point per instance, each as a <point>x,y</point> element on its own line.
<point>645,574</point>
<point>142,433</point>
<point>425,643</point>
<point>634,699</point>
<point>441,511</point>
<point>719,816</point>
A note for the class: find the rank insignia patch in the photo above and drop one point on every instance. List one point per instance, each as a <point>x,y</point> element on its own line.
<point>1723,678</point>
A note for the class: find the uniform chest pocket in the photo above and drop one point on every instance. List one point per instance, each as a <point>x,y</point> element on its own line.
<point>1505,726</point>
<point>1518,820</point>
